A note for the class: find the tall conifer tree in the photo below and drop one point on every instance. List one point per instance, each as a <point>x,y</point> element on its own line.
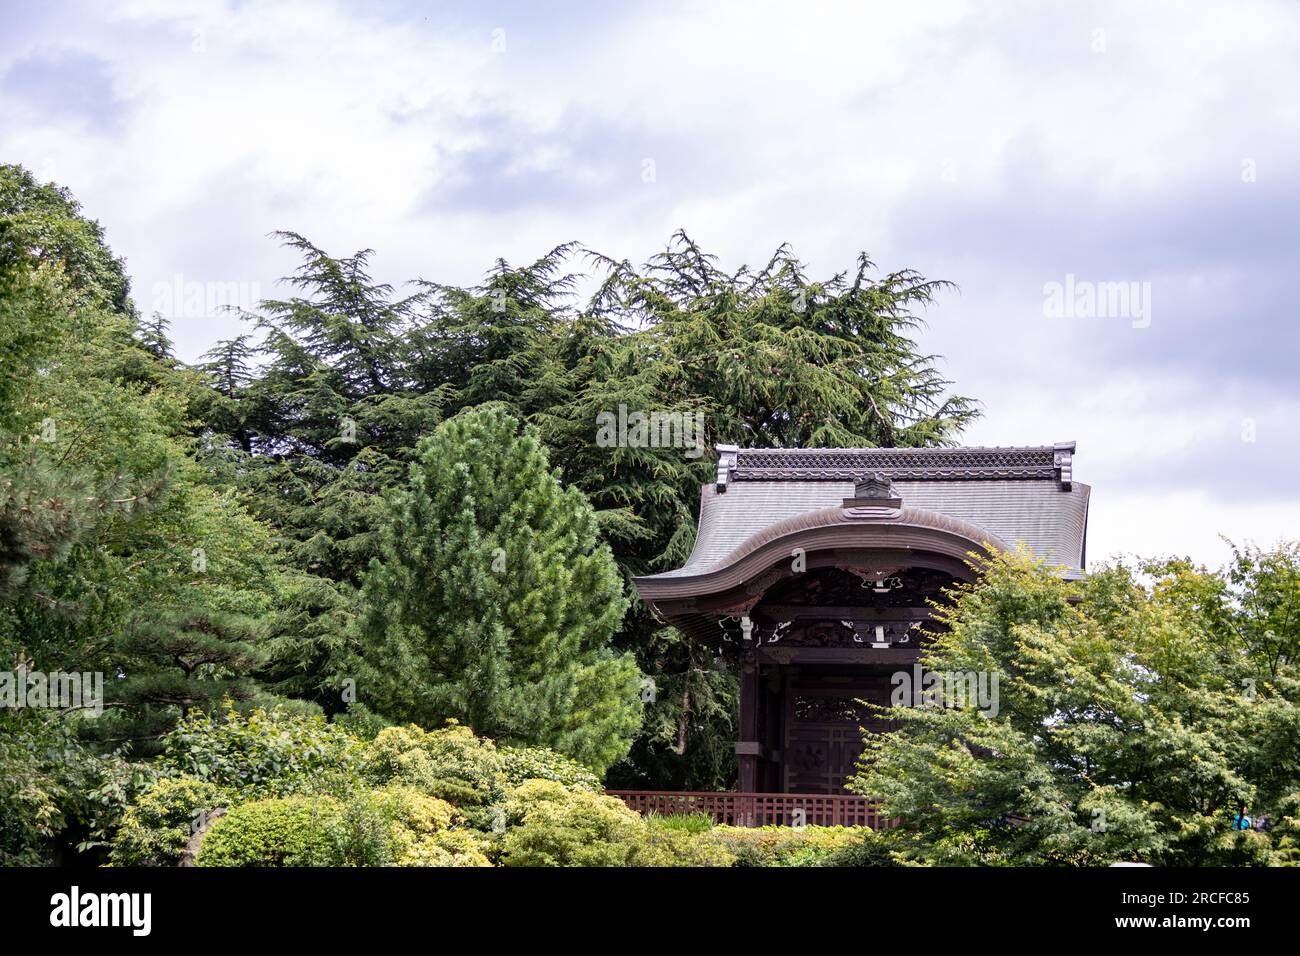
<point>494,601</point>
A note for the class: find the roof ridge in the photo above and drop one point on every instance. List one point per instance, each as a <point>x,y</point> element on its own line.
<point>900,448</point>
<point>939,463</point>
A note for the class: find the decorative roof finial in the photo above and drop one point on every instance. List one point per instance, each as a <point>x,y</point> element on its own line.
<point>874,486</point>
<point>1063,461</point>
<point>726,461</point>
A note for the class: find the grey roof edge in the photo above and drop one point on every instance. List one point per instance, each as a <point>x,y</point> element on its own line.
<point>909,528</point>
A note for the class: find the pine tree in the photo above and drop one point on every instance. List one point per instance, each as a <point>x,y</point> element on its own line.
<point>152,336</point>
<point>227,370</point>
<point>493,601</point>
<point>184,656</point>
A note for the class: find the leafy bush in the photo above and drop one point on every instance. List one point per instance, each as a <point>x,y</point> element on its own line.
<point>786,846</point>
<point>114,785</point>
<point>871,848</point>
<point>284,831</point>
<point>157,827</point>
<point>555,826</point>
<point>1175,687</point>
<point>698,822</point>
<point>537,763</point>
<point>406,824</point>
<point>361,722</point>
<point>678,847</point>
<point>447,848</point>
<point>396,826</point>
<point>550,825</point>
<point>58,796</point>
<point>38,785</point>
<point>450,763</point>
<point>264,753</point>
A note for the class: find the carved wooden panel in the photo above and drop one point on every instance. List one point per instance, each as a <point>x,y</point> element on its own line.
<point>824,731</point>
<point>905,587</point>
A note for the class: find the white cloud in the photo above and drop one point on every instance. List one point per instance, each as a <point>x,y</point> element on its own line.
<point>990,145</point>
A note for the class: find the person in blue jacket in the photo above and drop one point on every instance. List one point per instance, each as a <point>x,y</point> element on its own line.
<point>1242,822</point>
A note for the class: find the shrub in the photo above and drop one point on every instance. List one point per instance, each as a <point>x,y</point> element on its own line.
<point>872,848</point>
<point>662,846</point>
<point>786,846</point>
<point>383,827</point>
<point>156,829</point>
<point>555,826</point>
<point>447,848</point>
<point>284,831</point>
<point>537,763</point>
<point>361,722</point>
<point>396,826</point>
<point>698,822</point>
<point>551,825</point>
<point>450,763</point>
<point>264,753</point>
<point>52,786</point>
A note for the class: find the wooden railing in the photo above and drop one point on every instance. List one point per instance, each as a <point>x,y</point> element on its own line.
<point>759,809</point>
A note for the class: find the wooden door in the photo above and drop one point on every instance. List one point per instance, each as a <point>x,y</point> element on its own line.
<point>824,725</point>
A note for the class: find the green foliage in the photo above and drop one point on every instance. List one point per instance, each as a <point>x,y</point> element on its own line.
<point>361,722</point>
<point>555,826</point>
<point>43,223</point>
<point>50,499</point>
<point>41,771</point>
<point>264,753</point>
<point>423,831</point>
<point>666,847</point>
<point>1266,586</point>
<point>58,796</point>
<point>519,764</point>
<point>285,831</point>
<point>789,846</point>
<point>119,554</point>
<point>450,763</point>
<point>551,825</point>
<point>448,848</point>
<point>157,827</point>
<point>1136,712</point>
<point>493,601</point>
<point>387,827</point>
<point>698,822</point>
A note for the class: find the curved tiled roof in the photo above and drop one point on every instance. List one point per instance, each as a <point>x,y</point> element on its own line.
<point>905,529</point>
<point>827,517</point>
<point>1005,496</point>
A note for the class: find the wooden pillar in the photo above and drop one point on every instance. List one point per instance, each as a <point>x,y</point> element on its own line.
<point>770,778</point>
<point>749,746</point>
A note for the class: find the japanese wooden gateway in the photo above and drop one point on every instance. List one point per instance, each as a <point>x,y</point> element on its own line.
<point>815,573</point>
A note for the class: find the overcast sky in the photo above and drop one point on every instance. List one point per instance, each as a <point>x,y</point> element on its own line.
<point>1038,155</point>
